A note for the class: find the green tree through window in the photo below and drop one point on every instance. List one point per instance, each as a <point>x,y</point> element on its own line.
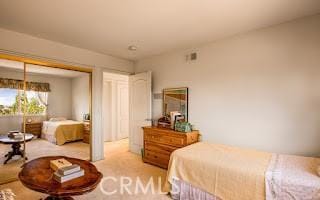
<point>15,106</point>
<point>34,107</point>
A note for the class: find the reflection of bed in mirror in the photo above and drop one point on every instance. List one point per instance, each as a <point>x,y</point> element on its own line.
<point>60,130</point>
<point>29,93</point>
<point>175,99</point>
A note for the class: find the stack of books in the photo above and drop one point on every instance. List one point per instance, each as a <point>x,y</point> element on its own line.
<point>15,135</point>
<point>65,171</point>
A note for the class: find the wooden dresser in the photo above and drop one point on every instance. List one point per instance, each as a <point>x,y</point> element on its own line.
<point>34,128</point>
<point>86,131</point>
<point>159,143</point>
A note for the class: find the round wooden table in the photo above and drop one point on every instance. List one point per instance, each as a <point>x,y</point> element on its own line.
<point>15,144</point>
<point>38,176</point>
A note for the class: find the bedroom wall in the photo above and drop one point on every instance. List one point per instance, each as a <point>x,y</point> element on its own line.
<point>23,44</point>
<point>259,90</point>
<point>59,99</point>
<point>80,97</point>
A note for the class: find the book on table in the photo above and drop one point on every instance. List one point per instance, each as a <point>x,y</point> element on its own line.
<point>15,131</point>
<point>15,135</point>
<point>59,163</point>
<point>69,169</point>
<point>65,171</point>
<point>64,178</point>
<point>18,136</point>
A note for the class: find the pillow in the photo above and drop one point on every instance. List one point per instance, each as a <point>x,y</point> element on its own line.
<point>57,119</point>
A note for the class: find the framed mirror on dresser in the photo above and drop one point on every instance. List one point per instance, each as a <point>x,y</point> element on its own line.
<point>175,100</point>
<point>162,139</point>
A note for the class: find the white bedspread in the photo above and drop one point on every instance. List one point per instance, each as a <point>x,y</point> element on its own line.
<point>292,178</point>
<point>185,191</point>
<point>196,172</point>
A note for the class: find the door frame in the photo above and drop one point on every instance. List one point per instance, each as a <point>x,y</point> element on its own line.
<point>147,120</point>
<point>113,79</point>
<point>51,64</point>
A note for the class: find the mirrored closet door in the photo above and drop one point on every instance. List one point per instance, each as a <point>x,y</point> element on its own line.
<point>12,116</point>
<point>58,112</point>
<point>45,110</point>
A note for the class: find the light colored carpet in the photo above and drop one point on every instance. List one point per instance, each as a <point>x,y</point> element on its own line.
<point>118,162</point>
<point>35,149</point>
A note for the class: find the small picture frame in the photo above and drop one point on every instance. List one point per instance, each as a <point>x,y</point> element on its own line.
<point>179,118</point>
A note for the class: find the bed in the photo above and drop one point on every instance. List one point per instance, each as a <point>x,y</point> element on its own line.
<point>207,171</point>
<point>61,131</point>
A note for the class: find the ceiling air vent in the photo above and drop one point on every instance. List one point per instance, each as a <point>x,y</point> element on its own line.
<point>192,56</point>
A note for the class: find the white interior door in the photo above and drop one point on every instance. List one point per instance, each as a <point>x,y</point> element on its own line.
<point>140,108</point>
<point>115,107</point>
<point>123,110</point>
<point>107,109</point>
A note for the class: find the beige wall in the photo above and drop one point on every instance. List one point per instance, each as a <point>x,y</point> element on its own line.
<point>260,89</point>
<point>80,97</point>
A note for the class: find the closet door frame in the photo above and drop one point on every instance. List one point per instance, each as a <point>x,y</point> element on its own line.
<point>53,64</point>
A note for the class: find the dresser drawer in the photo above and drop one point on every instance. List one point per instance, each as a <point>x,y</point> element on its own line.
<point>86,130</point>
<point>159,143</point>
<point>33,129</point>
<point>86,127</point>
<point>159,148</point>
<point>157,158</point>
<point>86,138</point>
<point>33,126</point>
<point>163,139</point>
<point>33,132</point>
<point>36,125</point>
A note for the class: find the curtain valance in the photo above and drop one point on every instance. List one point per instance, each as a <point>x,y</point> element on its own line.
<point>18,84</point>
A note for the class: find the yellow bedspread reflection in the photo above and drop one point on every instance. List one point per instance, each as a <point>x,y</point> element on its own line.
<point>69,132</point>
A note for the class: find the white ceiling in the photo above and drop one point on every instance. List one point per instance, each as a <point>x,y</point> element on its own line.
<point>40,70</point>
<point>154,26</point>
